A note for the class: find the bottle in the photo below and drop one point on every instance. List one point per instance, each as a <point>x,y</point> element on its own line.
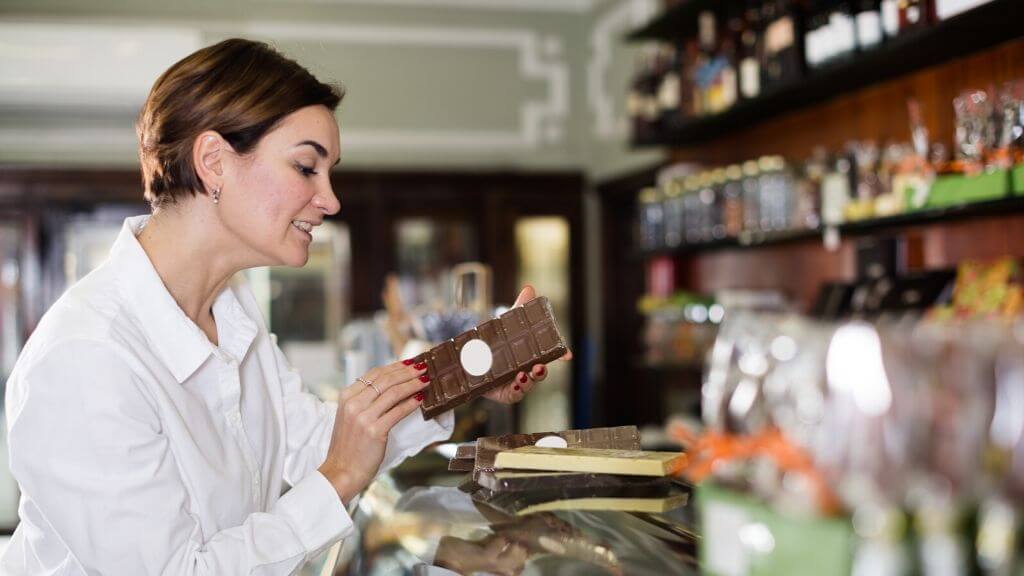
<point>844,29</point>
<point>750,45</point>
<point>815,27</point>
<point>705,72</point>
<point>890,10</point>
<point>669,87</point>
<point>651,213</point>
<point>674,213</point>
<point>729,52</point>
<point>732,198</point>
<point>783,58</point>
<point>914,14</point>
<point>835,192</point>
<point>691,207</point>
<point>751,197</point>
<point>712,197</point>
<point>869,24</point>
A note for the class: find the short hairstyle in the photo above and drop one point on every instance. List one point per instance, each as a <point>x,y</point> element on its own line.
<point>239,88</point>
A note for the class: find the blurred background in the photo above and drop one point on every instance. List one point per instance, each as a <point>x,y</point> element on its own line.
<point>654,168</point>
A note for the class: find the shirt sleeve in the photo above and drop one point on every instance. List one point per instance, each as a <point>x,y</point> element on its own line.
<point>88,450</point>
<point>309,423</point>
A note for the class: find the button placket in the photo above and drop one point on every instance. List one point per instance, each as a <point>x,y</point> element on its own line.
<point>231,375</point>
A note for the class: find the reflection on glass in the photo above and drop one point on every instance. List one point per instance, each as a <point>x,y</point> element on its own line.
<point>10,345</point>
<point>427,250</point>
<point>306,307</point>
<point>542,250</point>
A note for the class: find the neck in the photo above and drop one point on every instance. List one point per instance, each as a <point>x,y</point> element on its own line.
<point>191,253</point>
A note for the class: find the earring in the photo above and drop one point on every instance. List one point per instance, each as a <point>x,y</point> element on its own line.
<point>216,195</point>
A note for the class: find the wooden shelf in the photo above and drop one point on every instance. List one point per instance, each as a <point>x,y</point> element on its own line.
<point>973,31</point>
<point>1010,205</point>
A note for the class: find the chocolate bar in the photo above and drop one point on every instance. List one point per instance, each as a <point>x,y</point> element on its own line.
<point>516,481</point>
<point>460,465</point>
<point>629,495</point>
<point>618,438</point>
<point>466,451</point>
<point>500,348</point>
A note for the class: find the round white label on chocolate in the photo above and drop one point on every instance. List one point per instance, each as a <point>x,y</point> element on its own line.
<point>552,442</point>
<point>476,357</point>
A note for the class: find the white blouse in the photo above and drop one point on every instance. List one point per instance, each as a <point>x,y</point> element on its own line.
<point>141,448</point>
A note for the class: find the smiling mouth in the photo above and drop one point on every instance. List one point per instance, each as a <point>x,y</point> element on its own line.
<point>303,226</point>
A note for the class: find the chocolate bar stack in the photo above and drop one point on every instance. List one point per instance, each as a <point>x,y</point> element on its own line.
<point>519,492</point>
<point>521,338</point>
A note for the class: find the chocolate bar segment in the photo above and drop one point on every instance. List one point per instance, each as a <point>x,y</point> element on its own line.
<point>521,338</point>
<point>616,438</point>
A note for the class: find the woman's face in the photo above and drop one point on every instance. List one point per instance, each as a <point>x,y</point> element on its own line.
<point>273,197</point>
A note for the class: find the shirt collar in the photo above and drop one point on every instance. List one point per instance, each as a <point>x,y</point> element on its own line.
<point>179,342</point>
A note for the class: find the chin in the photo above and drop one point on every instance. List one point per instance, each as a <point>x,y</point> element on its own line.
<point>296,259</point>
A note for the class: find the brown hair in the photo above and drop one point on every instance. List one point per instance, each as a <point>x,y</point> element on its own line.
<point>238,88</point>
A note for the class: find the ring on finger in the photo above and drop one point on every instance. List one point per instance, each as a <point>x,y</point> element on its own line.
<point>370,384</point>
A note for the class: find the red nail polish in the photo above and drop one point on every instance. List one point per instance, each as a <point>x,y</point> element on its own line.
<point>516,387</point>
<point>420,396</point>
<point>420,366</point>
<point>541,371</point>
<point>424,378</point>
<point>523,378</point>
<point>408,361</point>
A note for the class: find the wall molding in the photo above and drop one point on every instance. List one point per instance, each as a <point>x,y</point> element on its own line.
<point>610,124</point>
<point>540,58</point>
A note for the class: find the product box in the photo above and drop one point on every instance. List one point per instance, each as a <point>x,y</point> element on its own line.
<point>957,190</point>
<point>742,536</point>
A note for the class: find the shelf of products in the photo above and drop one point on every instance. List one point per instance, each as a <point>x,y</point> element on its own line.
<point>1011,205</point>
<point>864,187</point>
<point>786,56</point>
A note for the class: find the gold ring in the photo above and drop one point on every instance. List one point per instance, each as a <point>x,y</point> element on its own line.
<point>370,384</point>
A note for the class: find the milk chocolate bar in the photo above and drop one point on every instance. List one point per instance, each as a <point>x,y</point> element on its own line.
<point>618,438</point>
<point>521,338</point>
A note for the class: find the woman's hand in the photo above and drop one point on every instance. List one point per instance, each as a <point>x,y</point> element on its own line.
<point>365,416</point>
<point>516,390</point>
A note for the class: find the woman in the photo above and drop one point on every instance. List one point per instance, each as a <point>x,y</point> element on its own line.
<point>152,418</point>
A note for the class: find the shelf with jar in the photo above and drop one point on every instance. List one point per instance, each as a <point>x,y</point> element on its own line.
<point>721,67</point>
<point>862,188</point>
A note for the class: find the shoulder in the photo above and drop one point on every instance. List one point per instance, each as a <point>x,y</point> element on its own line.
<point>76,347</point>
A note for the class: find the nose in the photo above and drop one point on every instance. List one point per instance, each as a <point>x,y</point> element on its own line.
<point>327,201</point>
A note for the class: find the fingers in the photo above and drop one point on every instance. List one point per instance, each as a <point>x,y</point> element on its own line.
<point>539,372</point>
<point>387,378</point>
<point>395,395</point>
<point>525,295</point>
<point>388,420</point>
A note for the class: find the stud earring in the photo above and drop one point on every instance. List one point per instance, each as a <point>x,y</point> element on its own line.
<point>216,195</point>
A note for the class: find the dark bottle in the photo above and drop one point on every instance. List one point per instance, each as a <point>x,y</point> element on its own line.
<point>750,48</point>
<point>783,54</point>
<point>914,14</point>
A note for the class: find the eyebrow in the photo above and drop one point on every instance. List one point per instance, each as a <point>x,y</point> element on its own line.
<point>320,150</point>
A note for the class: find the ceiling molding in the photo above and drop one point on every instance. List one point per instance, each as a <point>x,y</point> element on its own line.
<point>567,6</point>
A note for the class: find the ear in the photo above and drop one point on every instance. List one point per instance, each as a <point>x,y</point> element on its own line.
<point>207,158</point>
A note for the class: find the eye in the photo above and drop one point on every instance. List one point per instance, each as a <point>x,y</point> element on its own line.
<point>305,171</point>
